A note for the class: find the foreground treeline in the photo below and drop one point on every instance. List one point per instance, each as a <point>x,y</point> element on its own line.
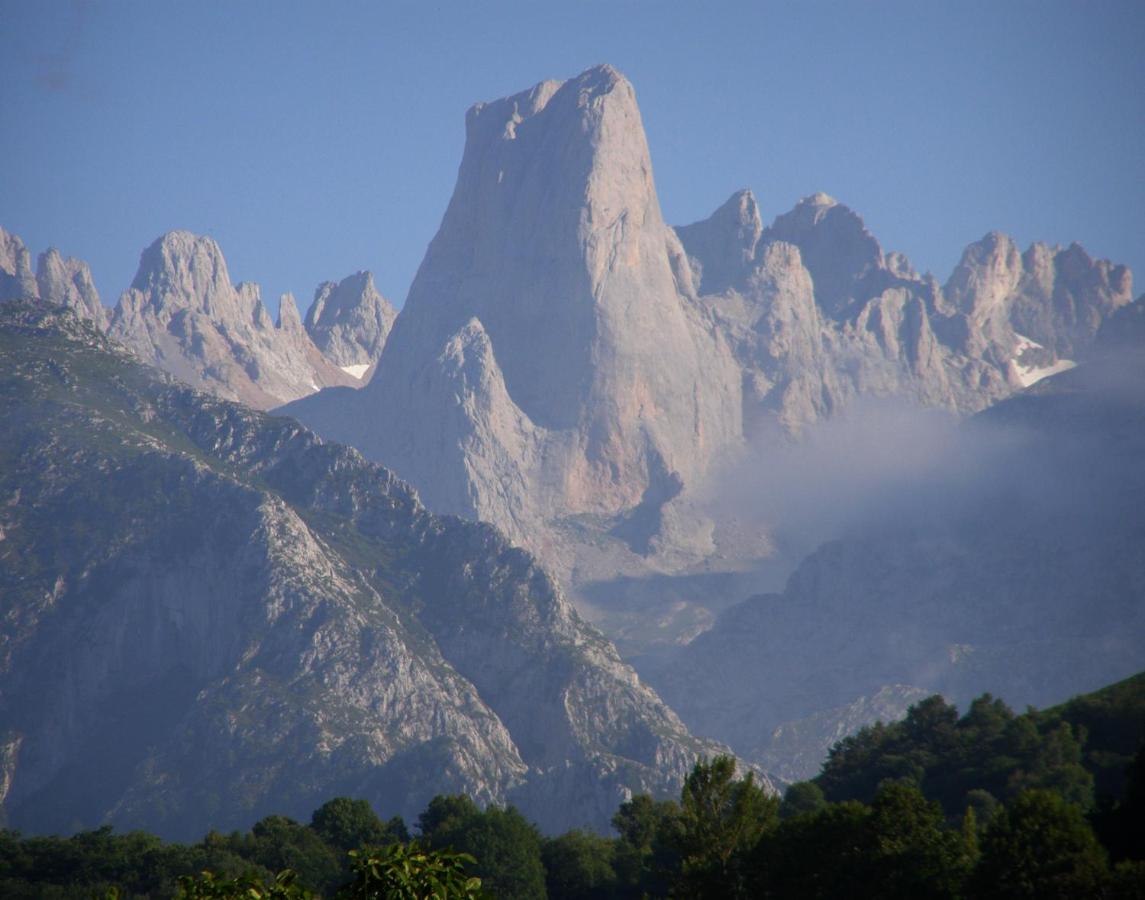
<point>989,804</point>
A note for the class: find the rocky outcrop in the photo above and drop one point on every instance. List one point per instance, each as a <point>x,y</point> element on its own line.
<point>349,321</point>
<point>554,250</point>
<point>68,282</point>
<point>183,315</point>
<point>210,615</point>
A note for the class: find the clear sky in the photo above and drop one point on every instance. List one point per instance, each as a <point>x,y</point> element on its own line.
<point>315,139</point>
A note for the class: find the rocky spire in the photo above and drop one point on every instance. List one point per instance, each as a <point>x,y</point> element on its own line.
<point>68,282</point>
<point>722,247</point>
<point>349,321</point>
<point>16,278</point>
<point>554,244</point>
<point>836,247</point>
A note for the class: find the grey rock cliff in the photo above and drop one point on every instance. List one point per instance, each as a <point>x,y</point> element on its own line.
<point>183,315</point>
<point>349,321</point>
<point>818,314</point>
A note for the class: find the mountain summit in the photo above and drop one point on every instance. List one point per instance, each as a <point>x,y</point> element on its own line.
<point>601,375</point>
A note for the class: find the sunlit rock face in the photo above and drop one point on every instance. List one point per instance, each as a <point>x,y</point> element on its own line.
<point>183,315</point>
<point>601,370</point>
<point>16,276</point>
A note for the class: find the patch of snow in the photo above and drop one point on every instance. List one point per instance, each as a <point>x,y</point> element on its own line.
<point>1032,375</point>
<point>357,371</point>
<point>1029,375</point>
<point>1024,344</point>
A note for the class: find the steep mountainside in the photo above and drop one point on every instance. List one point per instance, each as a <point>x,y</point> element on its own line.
<point>1025,577</point>
<point>210,615</point>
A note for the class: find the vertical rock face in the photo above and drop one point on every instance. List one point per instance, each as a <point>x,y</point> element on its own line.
<point>183,315</point>
<point>350,321</point>
<point>554,249</point>
<point>16,278</point>
<point>68,282</point>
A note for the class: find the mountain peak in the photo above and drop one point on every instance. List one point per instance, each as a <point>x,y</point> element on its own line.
<point>181,258</point>
<point>721,248</point>
<point>350,321</point>
<point>837,249</point>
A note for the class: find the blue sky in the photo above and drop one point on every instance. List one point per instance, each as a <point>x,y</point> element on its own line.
<point>312,140</point>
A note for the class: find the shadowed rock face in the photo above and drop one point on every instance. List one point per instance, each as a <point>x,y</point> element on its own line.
<point>183,315</point>
<point>349,321</point>
<point>599,358</point>
<point>210,615</point>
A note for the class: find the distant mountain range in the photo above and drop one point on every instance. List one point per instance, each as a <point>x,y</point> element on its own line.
<point>183,315</point>
<point>577,373</point>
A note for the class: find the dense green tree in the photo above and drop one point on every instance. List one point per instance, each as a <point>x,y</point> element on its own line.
<point>578,866</point>
<point>802,797</point>
<point>820,855</point>
<point>411,872</point>
<point>507,847</point>
<point>646,854</point>
<point>721,820</point>
<point>349,824</point>
<point>278,842</point>
<point>1038,845</point>
<point>250,886</point>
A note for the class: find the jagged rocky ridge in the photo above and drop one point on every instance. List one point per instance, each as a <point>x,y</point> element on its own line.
<point>818,314</point>
<point>184,316</point>
<point>1024,576</point>
<point>210,615</point>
